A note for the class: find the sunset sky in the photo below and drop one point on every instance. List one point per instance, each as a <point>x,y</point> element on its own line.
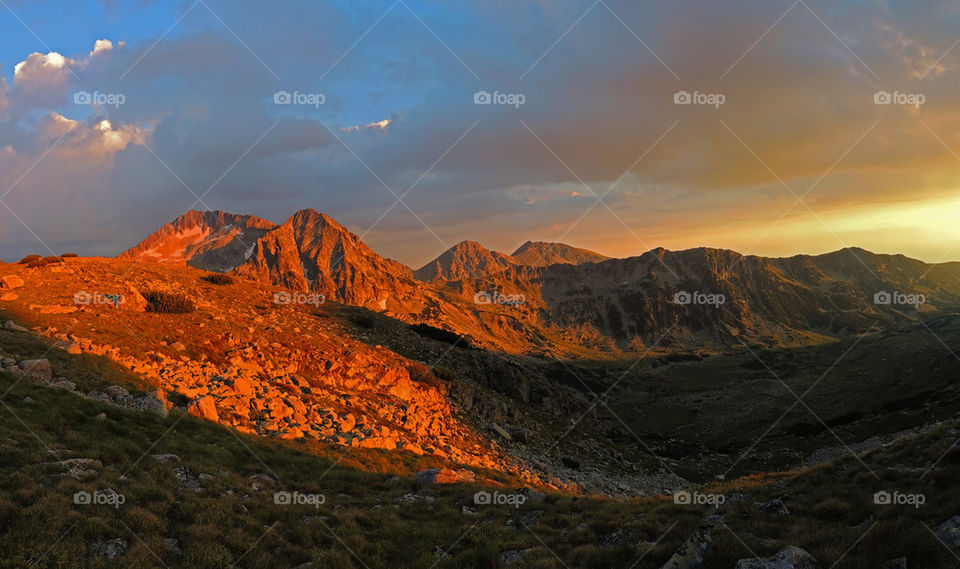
<point>798,158</point>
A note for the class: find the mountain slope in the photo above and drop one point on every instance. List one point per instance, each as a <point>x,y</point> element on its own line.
<point>209,240</point>
<point>466,259</point>
<point>540,253</point>
<point>312,252</point>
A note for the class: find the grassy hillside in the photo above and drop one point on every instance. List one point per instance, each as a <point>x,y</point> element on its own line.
<point>214,506</point>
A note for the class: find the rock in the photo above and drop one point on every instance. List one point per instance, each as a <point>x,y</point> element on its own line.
<point>165,458</point>
<point>7,296</point>
<point>501,431</point>
<point>790,557</point>
<point>101,417</point>
<point>63,384</point>
<point>774,507</point>
<point>949,532</point>
<point>119,395</point>
<point>186,479</point>
<point>898,563</point>
<point>690,555</point>
<point>433,476</point>
<point>204,408</point>
<point>513,556</point>
<point>172,546</point>
<point>150,403</point>
<point>110,549</point>
<point>10,282</point>
<point>132,300</point>
<point>38,371</point>
<point>11,325</point>
<point>410,499</point>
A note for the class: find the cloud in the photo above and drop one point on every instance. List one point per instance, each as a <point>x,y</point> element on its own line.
<point>599,115</point>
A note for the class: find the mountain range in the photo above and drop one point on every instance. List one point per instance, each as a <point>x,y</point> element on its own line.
<point>559,299</point>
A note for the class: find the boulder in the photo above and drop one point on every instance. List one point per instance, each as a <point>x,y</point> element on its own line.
<point>11,325</point>
<point>38,371</point>
<point>8,296</point>
<point>10,282</point>
<point>150,403</point>
<point>112,548</point>
<point>131,300</point>
<point>790,557</point>
<point>204,408</point>
<point>433,476</point>
<point>949,532</point>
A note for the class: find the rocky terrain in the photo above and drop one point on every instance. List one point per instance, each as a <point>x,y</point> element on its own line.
<point>555,299</point>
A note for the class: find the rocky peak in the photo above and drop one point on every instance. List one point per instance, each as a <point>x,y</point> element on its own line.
<point>542,253</point>
<point>210,240</point>
<point>467,259</point>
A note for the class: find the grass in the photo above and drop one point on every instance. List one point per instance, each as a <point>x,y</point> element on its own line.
<point>362,524</point>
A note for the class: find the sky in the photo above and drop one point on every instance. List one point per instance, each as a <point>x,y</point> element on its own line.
<point>768,127</point>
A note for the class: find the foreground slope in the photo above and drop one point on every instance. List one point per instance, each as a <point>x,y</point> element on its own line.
<point>177,492</point>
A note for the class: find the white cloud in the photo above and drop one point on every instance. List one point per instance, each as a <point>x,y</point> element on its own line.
<point>42,69</point>
<point>101,46</point>
<point>380,126</point>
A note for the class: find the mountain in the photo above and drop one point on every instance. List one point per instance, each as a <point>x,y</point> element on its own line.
<point>566,303</point>
<point>312,252</point>
<point>466,259</point>
<point>209,240</point>
<point>541,253</point>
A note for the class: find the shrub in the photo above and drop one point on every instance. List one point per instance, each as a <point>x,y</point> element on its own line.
<point>29,258</point>
<point>38,261</point>
<point>218,279</point>
<point>168,302</point>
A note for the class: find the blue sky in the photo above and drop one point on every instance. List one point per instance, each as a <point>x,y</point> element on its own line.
<point>398,79</point>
